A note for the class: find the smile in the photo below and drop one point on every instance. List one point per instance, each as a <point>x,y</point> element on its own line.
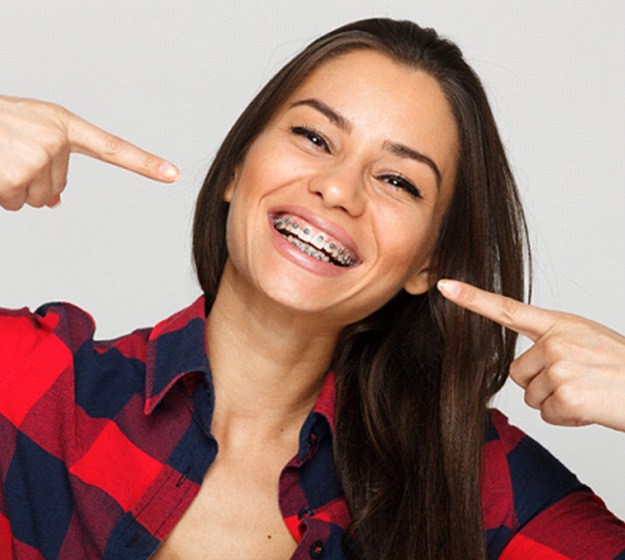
<point>313,242</point>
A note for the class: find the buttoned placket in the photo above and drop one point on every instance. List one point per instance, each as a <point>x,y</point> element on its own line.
<point>172,492</point>
<point>314,532</point>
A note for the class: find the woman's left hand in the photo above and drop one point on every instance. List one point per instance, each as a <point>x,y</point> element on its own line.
<point>575,371</point>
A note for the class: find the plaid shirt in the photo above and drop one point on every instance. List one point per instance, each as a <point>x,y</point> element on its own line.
<point>105,444</point>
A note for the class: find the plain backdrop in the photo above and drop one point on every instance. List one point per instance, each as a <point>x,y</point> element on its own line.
<point>172,76</point>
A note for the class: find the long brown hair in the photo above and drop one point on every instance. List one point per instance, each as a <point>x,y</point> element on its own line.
<point>414,378</point>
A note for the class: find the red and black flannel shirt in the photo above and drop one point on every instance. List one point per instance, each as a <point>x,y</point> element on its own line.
<point>103,445</point>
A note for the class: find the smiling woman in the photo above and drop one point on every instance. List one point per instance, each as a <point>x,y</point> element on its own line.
<point>344,411</point>
<point>400,352</point>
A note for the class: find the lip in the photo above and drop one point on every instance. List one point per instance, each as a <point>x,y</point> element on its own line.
<point>292,253</point>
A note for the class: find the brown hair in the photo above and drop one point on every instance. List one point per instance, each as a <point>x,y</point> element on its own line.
<point>414,378</point>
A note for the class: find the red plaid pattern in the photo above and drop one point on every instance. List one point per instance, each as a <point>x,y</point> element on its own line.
<point>104,444</point>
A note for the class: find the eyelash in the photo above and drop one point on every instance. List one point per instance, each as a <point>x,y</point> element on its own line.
<point>395,180</point>
<point>313,136</point>
<point>400,182</point>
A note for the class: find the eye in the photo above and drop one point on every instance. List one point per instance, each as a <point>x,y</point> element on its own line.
<point>400,182</point>
<point>313,137</point>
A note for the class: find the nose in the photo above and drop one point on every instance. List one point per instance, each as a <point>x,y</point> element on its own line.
<point>341,186</point>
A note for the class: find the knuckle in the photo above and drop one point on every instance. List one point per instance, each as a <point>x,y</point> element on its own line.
<point>38,198</point>
<point>554,347</point>
<point>59,111</point>
<point>469,293</point>
<point>12,203</point>
<point>42,160</point>
<point>39,159</point>
<point>569,402</point>
<point>530,400</point>
<point>14,185</point>
<point>151,163</point>
<point>509,309</point>
<point>557,373</point>
<point>56,143</point>
<point>35,202</point>
<point>551,416</point>
<point>11,206</point>
<point>54,112</point>
<point>112,145</point>
<point>59,186</point>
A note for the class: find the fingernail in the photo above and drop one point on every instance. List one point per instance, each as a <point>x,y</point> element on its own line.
<point>168,171</point>
<point>448,287</point>
<point>56,204</point>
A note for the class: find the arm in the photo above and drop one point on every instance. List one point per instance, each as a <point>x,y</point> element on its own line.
<point>36,140</point>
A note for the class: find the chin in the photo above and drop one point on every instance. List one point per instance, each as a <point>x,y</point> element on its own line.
<point>297,297</point>
<point>316,306</point>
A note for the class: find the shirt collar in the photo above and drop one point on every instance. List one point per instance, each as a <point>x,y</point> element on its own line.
<point>319,423</point>
<point>326,401</point>
<point>176,347</point>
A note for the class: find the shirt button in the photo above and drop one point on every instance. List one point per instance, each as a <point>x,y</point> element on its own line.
<point>316,550</point>
<point>305,512</point>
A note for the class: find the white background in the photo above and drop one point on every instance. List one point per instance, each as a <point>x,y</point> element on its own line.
<point>173,76</point>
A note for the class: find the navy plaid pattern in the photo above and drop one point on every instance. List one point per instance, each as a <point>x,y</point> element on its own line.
<point>104,444</point>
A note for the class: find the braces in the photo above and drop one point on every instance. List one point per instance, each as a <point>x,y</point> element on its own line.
<point>301,238</point>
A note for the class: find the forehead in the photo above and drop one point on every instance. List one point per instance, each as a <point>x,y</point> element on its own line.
<point>379,96</point>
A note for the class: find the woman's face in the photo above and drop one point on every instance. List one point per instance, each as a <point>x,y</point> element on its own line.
<point>337,204</point>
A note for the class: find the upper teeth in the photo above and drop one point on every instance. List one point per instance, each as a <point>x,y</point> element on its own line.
<point>298,234</point>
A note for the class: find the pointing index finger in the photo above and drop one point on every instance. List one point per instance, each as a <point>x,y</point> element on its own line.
<point>88,139</point>
<point>520,317</point>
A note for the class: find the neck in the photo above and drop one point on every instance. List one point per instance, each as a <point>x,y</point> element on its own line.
<point>268,365</point>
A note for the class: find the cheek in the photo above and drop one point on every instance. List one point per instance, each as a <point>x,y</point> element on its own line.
<point>403,232</point>
<point>410,245</point>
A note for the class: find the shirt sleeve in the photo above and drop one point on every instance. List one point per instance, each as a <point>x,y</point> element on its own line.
<point>534,507</point>
<point>35,351</point>
<point>36,410</point>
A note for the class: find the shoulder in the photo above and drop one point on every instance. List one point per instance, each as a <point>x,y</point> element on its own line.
<point>22,331</point>
<point>534,506</point>
<point>35,348</point>
<point>44,352</point>
<point>518,474</point>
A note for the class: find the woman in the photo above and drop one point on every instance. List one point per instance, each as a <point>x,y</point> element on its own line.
<point>321,230</point>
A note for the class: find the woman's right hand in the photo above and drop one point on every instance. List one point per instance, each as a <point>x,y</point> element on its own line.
<point>575,371</point>
<point>36,139</point>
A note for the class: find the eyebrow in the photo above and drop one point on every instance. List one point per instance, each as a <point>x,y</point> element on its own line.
<point>399,150</point>
<point>328,112</point>
<point>406,152</point>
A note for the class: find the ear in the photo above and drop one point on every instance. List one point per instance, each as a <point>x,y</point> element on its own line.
<point>420,282</point>
<point>229,192</point>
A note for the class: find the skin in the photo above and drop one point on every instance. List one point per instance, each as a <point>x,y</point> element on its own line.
<point>343,176</point>
<point>278,327</point>
<point>273,326</point>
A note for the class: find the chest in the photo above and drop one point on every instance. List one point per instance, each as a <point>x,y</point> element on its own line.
<point>236,515</point>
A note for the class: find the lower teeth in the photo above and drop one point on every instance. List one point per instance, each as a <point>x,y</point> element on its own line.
<point>308,250</point>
